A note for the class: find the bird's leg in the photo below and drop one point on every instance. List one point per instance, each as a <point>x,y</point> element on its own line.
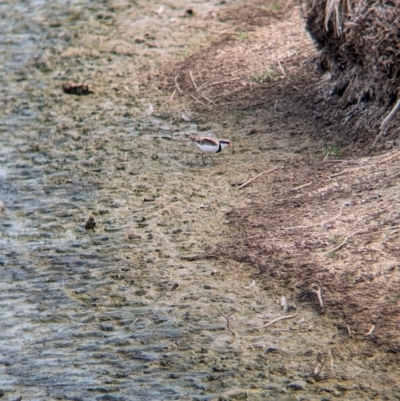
<point>211,159</point>
<point>202,156</point>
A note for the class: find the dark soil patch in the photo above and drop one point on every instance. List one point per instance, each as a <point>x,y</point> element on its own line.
<point>339,232</point>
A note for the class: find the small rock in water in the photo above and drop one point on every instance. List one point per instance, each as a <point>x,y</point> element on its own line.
<point>90,223</point>
<point>2,207</point>
<point>271,349</point>
<point>106,327</point>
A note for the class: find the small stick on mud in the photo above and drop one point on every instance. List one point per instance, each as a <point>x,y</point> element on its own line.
<point>386,121</point>
<point>341,244</point>
<point>279,318</point>
<point>338,215</point>
<point>177,86</point>
<point>208,100</point>
<point>348,330</point>
<point>322,222</point>
<point>351,170</point>
<point>197,100</point>
<point>207,85</point>
<point>194,83</point>
<point>288,218</point>
<point>259,175</point>
<point>172,96</point>
<point>370,330</point>
<point>280,66</point>
<point>302,186</point>
<point>321,361</point>
<point>390,157</point>
<point>227,321</point>
<point>317,291</point>
<point>224,82</point>
<point>333,372</point>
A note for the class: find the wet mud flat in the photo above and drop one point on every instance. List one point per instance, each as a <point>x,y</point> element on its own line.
<point>142,307</point>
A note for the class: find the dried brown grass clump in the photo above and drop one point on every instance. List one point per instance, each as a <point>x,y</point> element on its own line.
<point>359,44</point>
<point>360,39</point>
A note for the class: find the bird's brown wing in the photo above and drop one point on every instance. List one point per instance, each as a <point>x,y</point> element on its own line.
<point>205,140</point>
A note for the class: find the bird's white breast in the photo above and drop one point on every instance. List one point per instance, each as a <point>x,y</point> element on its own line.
<point>206,147</point>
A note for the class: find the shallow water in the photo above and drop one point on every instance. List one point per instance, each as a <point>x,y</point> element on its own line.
<point>129,310</point>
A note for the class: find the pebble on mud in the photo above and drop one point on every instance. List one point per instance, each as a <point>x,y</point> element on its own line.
<point>73,88</point>
<point>90,223</point>
<point>298,385</point>
<point>132,236</point>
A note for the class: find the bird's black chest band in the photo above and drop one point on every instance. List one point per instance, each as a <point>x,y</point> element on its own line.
<point>219,147</point>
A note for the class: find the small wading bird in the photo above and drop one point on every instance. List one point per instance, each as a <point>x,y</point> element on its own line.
<point>210,145</point>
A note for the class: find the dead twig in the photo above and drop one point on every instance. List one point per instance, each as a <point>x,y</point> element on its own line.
<point>386,122</point>
<point>279,318</point>
<point>351,170</point>
<point>197,100</point>
<point>288,218</point>
<point>386,178</point>
<point>259,175</point>
<point>317,291</point>
<point>370,330</point>
<point>191,77</point>
<point>322,223</point>
<point>302,186</point>
<point>375,164</point>
<point>341,244</point>
<point>227,321</point>
<point>177,86</point>
<point>172,96</point>
<point>224,82</point>
<point>218,83</point>
<point>390,157</point>
<point>280,66</point>
<point>333,372</point>
<point>321,361</point>
<point>208,100</point>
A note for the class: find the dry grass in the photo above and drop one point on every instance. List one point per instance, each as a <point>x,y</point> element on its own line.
<point>358,43</point>
<point>245,57</point>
